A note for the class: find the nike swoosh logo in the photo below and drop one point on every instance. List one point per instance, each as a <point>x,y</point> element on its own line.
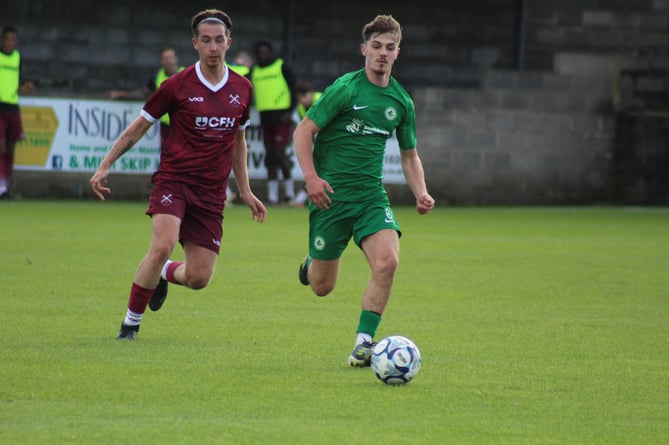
<point>357,107</point>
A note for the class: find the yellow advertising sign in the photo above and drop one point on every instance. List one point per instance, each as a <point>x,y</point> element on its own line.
<point>39,125</point>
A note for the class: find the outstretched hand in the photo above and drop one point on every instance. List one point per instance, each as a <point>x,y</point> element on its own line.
<point>99,183</point>
<point>258,210</point>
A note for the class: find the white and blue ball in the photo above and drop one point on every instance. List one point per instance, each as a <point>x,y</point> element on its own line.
<point>395,360</point>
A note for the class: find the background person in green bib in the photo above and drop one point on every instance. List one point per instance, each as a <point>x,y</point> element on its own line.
<point>343,175</point>
<point>169,65</point>
<point>273,86</point>
<point>305,96</point>
<point>11,84</point>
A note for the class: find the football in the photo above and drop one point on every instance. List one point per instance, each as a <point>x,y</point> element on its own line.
<point>395,360</point>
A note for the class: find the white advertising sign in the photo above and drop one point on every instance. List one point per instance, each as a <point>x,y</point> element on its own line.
<point>74,135</point>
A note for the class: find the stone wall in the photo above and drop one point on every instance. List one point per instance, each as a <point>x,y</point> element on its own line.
<point>519,139</point>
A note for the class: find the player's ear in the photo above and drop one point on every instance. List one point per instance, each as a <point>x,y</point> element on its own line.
<point>363,49</point>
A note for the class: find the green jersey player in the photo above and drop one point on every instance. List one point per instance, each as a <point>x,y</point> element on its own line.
<point>342,169</point>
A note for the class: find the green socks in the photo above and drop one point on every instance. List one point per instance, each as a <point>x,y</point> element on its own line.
<point>369,322</point>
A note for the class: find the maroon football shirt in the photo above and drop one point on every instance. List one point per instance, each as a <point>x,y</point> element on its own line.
<point>204,121</point>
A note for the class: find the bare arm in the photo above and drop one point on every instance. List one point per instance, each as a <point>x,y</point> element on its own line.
<point>317,188</point>
<point>125,141</point>
<point>415,176</point>
<point>239,168</point>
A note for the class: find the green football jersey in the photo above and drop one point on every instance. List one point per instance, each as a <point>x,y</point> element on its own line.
<point>356,118</point>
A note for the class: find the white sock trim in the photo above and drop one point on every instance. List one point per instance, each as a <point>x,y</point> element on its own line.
<point>163,273</point>
<point>132,318</point>
<point>363,338</point>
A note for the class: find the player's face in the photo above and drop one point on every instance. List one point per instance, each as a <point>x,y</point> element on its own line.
<point>212,43</point>
<point>380,52</point>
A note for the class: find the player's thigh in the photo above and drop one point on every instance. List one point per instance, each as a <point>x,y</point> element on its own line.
<point>330,230</point>
<point>165,233</point>
<point>382,248</point>
<point>374,217</point>
<point>324,273</point>
<point>377,233</point>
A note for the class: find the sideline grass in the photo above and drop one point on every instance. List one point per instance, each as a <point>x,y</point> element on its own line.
<point>536,326</point>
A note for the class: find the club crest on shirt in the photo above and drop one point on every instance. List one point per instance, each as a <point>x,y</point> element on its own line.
<point>234,99</point>
<point>391,113</point>
<point>166,200</point>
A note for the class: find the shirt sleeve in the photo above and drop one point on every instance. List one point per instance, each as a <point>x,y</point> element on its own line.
<point>406,132</point>
<point>160,101</point>
<point>328,106</point>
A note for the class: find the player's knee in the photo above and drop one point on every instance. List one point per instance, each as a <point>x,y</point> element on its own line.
<point>197,283</point>
<point>321,289</point>
<point>197,280</point>
<point>161,252</point>
<point>386,266</point>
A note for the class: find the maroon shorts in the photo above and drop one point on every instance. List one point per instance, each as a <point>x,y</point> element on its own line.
<point>277,134</point>
<point>10,126</point>
<point>201,213</point>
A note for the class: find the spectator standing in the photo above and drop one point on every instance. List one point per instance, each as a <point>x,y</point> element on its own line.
<point>242,63</point>
<point>273,85</point>
<point>11,85</point>
<point>306,96</point>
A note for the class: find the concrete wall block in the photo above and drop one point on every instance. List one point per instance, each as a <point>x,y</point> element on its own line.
<point>529,121</point>
<point>561,122</point>
<point>430,98</point>
<point>600,18</point>
<point>587,64</point>
<point>437,136</point>
<point>500,120</point>
<point>530,80</point>
<point>513,100</point>
<point>499,79</point>
<point>562,102</point>
<point>468,119</point>
<point>497,161</point>
<point>485,56</point>
<point>657,22</point>
<point>552,81</point>
<point>466,160</point>
<point>660,5</point>
<point>481,139</point>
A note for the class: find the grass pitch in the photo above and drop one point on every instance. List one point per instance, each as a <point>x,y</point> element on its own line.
<point>536,326</point>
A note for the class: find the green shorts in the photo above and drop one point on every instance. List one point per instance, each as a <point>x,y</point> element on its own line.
<point>331,230</point>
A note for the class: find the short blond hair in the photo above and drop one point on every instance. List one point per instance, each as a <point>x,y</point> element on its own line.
<point>380,25</point>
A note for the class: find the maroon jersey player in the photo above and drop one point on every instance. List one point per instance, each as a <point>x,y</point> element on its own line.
<point>208,105</point>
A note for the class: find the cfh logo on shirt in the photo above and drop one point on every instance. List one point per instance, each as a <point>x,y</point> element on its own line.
<point>215,122</point>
